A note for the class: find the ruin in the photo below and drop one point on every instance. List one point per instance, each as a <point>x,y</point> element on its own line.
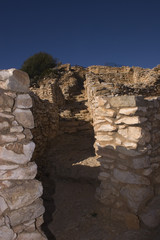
<point>123,109</point>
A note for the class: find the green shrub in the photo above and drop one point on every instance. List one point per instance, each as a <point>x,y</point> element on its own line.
<point>37,64</point>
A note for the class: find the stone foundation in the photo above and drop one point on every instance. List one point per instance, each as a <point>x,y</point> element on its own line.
<point>127,133</point>
<point>21,208</point>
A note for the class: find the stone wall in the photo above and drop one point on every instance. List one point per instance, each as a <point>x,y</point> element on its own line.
<point>46,101</point>
<point>127,133</point>
<point>21,208</point>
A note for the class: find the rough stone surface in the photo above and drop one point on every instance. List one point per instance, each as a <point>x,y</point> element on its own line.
<point>24,117</point>
<point>7,233</point>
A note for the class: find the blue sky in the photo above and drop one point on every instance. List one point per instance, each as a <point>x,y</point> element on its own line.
<point>81,32</point>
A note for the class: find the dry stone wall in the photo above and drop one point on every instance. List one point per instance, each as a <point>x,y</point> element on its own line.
<point>127,133</point>
<point>21,208</point>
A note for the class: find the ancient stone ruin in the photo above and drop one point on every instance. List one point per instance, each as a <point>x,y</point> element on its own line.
<point>21,207</point>
<point>124,108</point>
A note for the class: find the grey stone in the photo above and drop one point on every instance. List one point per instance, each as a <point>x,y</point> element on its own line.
<point>21,193</point>
<point>4,125</point>
<point>7,233</point>
<point>23,101</point>
<point>151,214</point>
<point>136,197</point>
<point>140,163</point>
<point>24,117</point>
<point>26,213</point>
<point>129,177</point>
<point>7,138</point>
<point>123,101</point>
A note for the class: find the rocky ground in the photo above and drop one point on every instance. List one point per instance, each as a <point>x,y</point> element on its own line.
<point>70,181</point>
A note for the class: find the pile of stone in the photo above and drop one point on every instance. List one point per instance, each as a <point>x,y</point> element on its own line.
<point>127,133</point>
<point>21,207</point>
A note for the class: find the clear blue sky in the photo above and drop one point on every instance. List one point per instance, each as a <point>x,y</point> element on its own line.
<point>81,32</point>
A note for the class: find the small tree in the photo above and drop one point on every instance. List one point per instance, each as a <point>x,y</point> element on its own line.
<point>37,64</point>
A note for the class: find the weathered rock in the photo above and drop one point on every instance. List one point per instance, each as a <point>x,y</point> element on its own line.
<point>24,172</point>
<point>24,117</point>
<point>128,120</point>
<point>8,138</point>
<point>3,205</point>
<point>10,156</point>
<point>140,163</point>
<point>131,133</point>
<point>16,129</point>
<point>21,193</point>
<point>14,80</point>
<point>4,125</point>
<point>105,127</point>
<point>23,101</point>
<point>26,213</point>
<point>136,197</point>
<point>123,101</point>
<point>129,177</point>
<point>6,101</point>
<point>7,116</point>
<point>128,111</point>
<point>7,233</point>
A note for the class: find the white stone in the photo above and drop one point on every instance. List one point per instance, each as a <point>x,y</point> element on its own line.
<point>103,138</point>
<point>131,133</point>
<point>129,177</point>
<point>5,74</point>
<point>25,172</point>
<point>20,136</point>
<point>23,101</point>
<point>105,112</point>
<point>10,156</point>
<point>105,127</point>
<point>7,138</point>
<point>129,120</point>
<point>128,111</point>
<point>130,145</point>
<point>16,129</point>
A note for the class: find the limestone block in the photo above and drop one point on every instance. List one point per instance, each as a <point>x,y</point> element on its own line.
<point>129,177</point>
<point>21,193</point>
<point>23,101</point>
<point>136,197</point>
<point>7,233</point>
<point>8,138</point>
<point>123,101</point>
<point>103,138</point>
<point>24,117</point>
<point>16,129</point>
<point>129,120</point>
<point>26,213</point>
<point>106,127</point>
<point>151,214</point>
<point>14,80</point>
<point>31,236</point>
<point>11,156</point>
<point>128,111</point>
<point>25,172</point>
<point>105,112</point>
<point>4,125</point>
<point>130,145</point>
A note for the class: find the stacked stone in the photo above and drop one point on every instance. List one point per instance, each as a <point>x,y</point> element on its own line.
<point>127,133</point>
<point>21,208</point>
<point>46,115</point>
